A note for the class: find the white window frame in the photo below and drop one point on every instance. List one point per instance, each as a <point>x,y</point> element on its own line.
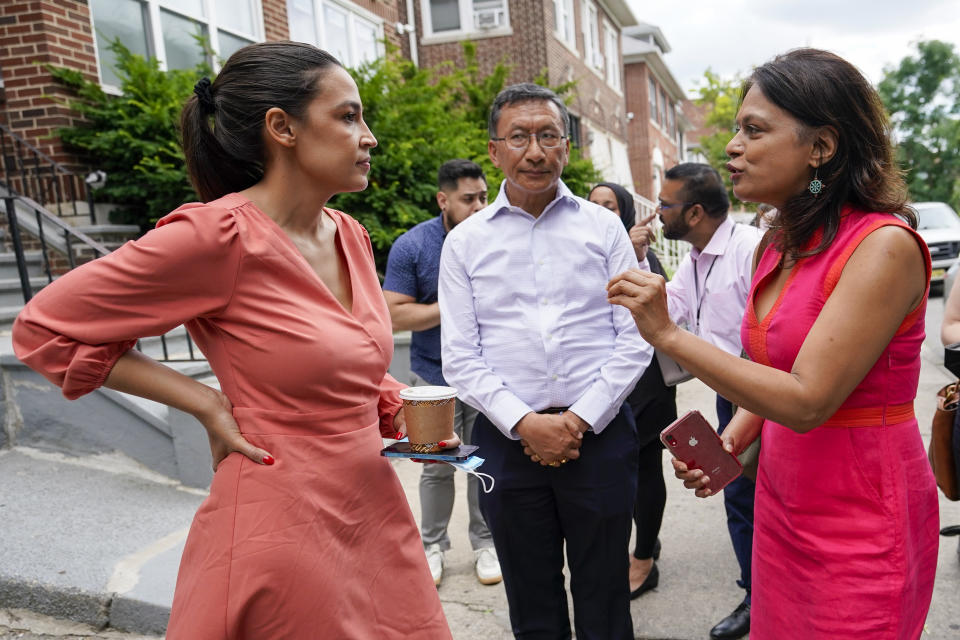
<point>565,24</point>
<point>154,31</point>
<point>611,49</point>
<point>353,12</point>
<point>653,89</point>
<point>591,37</point>
<point>467,28</point>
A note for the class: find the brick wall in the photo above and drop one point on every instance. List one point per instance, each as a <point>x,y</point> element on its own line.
<point>644,135</point>
<point>34,33</point>
<point>275,25</point>
<point>524,51</point>
<point>599,106</point>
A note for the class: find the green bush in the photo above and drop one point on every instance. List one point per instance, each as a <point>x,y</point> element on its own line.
<point>421,117</point>
<point>133,137</point>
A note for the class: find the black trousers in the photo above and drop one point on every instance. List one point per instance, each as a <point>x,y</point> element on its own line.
<point>586,504</point>
<point>651,499</point>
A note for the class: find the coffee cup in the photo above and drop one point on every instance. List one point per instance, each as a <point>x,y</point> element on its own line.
<point>428,412</point>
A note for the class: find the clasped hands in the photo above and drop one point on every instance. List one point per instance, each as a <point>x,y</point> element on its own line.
<point>551,439</point>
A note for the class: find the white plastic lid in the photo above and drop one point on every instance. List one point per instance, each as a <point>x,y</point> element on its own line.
<point>428,393</point>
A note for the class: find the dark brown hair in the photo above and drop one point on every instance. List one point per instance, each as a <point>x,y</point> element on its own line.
<point>222,123</point>
<point>820,89</point>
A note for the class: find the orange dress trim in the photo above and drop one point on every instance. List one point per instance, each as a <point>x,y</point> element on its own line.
<point>871,416</point>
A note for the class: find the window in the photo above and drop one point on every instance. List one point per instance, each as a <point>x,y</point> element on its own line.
<point>611,49</point>
<point>168,30</point>
<point>574,134</point>
<point>672,119</point>
<point>663,110</point>
<point>591,34</point>
<point>563,21</point>
<point>652,91</point>
<point>348,32</point>
<point>443,17</point>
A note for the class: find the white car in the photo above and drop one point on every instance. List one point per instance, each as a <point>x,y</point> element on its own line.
<point>939,226</point>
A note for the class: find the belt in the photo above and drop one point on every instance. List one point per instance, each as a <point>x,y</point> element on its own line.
<point>554,410</point>
<point>871,416</point>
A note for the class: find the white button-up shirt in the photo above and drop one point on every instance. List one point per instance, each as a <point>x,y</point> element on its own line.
<point>708,293</point>
<point>525,323</point>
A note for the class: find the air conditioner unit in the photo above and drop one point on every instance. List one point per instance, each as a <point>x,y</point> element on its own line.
<point>488,18</point>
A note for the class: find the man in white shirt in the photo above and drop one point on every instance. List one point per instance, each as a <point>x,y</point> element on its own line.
<point>529,339</point>
<point>708,294</point>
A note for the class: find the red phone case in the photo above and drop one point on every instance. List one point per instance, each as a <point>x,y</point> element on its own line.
<point>693,441</point>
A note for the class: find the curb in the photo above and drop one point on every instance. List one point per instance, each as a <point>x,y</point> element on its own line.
<point>100,611</point>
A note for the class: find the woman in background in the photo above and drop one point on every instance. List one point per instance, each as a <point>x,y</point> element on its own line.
<point>654,406</point>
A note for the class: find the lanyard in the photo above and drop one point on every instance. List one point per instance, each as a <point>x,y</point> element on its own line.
<point>696,281</point>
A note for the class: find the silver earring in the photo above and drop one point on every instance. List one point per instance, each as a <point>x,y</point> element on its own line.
<point>815,185</point>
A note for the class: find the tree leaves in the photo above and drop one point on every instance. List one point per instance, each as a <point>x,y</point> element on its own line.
<point>721,96</point>
<point>922,95</point>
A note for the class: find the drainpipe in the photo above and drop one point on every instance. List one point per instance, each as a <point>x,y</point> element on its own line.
<point>412,33</point>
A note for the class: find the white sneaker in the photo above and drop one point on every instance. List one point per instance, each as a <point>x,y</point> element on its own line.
<point>435,561</point>
<point>488,566</point>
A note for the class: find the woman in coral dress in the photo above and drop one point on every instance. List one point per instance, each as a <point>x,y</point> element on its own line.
<point>306,533</point>
<point>845,538</point>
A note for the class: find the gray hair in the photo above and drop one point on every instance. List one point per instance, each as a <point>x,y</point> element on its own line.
<point>525,92</point>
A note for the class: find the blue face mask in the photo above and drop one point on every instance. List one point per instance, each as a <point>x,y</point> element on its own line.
<point>470,466</point>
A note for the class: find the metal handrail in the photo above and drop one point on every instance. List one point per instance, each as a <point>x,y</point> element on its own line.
<point>31,173</point>
<point>22,213</point>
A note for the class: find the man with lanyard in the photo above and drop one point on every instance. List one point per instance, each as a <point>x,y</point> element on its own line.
<point>410,288</point>
<point>708,295</point>
<point>529,339</point>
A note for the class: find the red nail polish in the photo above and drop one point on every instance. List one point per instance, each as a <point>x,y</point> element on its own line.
<point>267,460</point>
<point>442,444</point>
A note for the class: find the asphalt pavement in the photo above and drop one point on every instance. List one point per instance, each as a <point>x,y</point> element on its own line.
<point>94,542</point>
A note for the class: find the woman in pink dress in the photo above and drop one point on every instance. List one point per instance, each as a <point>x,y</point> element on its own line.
<point>845,539</point>
<point>306,533</point>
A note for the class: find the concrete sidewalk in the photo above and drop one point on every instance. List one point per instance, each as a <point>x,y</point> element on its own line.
<point>97,539</point>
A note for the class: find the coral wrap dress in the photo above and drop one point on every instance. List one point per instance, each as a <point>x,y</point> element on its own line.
<point>845,532</point>
<point>322,544</point>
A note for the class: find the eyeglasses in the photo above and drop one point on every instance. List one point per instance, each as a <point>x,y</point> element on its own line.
<point>663,206</point>
<point>546,140</point>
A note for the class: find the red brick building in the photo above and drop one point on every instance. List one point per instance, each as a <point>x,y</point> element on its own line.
<point>657,128</point>
<point>614,121</point>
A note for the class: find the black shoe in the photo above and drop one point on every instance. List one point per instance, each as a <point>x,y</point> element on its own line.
<point>735,625</point>
<point>656,549</point>
<point>649,583</point>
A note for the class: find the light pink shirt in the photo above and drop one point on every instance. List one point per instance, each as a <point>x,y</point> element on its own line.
<point>716,281</point>
<point>525,323</point>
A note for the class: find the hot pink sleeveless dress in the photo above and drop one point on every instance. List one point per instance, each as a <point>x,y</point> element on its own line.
<point>845,537</point>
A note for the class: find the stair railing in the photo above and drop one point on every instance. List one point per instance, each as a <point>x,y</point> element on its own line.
<point>32,183</point>
<point>29,172</point>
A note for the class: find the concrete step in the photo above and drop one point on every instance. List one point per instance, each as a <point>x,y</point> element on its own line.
<point>177,346</point>
<point>11,292</point>
<point>8,264</point>
<point>9,314</point>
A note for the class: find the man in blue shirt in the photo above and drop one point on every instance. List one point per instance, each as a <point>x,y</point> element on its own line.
<point>410,288</point>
